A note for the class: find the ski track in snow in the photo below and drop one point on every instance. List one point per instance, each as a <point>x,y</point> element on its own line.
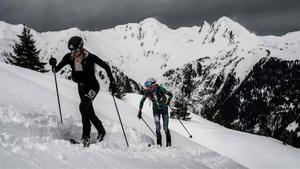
<point>32,137</point>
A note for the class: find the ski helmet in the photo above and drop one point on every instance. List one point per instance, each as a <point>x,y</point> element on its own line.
<point>75,43</point>
<point>149,82</point>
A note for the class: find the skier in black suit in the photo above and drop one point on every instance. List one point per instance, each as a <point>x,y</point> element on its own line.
<point>83,73</point>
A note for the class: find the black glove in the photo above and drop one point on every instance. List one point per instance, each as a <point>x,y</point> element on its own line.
<point>139,114</point>
<point>112,87</point>
<point>52,61</point>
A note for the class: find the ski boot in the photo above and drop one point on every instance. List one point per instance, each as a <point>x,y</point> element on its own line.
<point>85,141</point>
<point>168,138</point>
<point>100,137</point>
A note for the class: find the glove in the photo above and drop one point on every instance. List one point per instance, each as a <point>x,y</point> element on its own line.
<point>112,87</point>
<point>139,114</point>
<point>168,102</point>
<point>52,61</point>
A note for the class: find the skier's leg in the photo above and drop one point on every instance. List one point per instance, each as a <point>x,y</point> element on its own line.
<point>86,124</point>
<point>97,123</point>
<point>157,122</point>
<point>156,116</point>
<point>91,94</point>
<point>86,96</point>
<point>168,138</point>
<point>165,116</point>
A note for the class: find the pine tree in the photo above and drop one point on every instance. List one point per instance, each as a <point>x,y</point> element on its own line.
<point>123,85</point>
<point>128,88</point>
<point>26,54</point>
<point>120,87</point>
<point>181,109</point>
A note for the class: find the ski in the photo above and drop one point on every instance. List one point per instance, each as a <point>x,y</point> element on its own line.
<point>158,146</point>
<point>72,141</point>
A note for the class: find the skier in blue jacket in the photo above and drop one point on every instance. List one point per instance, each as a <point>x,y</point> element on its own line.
<point>157,94</point>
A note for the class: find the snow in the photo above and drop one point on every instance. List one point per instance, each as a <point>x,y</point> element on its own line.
<point>250,150</point>
<point>293,126</point>
<point>31,136</point>
<point>286,47</point>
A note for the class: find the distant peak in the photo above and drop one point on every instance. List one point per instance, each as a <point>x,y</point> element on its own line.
<point>227,23</point>
<point>205,24</point>
<point>150,21</point>
<point>3,23</point>
<point>153,23</point>
<point>225,19</point>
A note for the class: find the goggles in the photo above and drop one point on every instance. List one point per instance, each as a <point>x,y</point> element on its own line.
<point>152,89</point>
<point>148,84</point>
<point>75,50</point>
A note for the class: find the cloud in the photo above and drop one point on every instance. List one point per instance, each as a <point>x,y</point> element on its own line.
<point>45,15</point>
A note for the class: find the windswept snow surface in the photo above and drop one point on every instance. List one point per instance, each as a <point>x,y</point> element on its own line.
<point>31,136</point>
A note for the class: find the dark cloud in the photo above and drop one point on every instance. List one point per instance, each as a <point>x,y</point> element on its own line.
<point>260,16</point>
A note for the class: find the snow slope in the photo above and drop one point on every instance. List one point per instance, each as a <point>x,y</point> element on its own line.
<point>250,150</point>
<point>31,137</point>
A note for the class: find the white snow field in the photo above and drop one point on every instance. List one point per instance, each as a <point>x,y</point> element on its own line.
<point>31,135</point>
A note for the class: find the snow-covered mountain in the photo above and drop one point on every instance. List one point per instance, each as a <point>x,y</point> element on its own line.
<point>150,48</point>
<point>130,47</point>
<point>205,63</point>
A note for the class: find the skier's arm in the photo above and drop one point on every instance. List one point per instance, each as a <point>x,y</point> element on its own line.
<point>142,101</point>
<point>105,66</point>
<point>141,105</point>
<point>167,93</point>
<point>62,63</point>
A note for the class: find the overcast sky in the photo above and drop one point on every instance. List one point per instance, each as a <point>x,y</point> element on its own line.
<point>263,17</point>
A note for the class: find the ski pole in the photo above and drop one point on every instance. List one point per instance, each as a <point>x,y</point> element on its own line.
<point>148,126</point>
<point>53,70</point>
<point>182,124</point>
<point>120,120</point>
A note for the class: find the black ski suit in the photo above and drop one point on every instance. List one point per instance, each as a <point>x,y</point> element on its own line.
<point>88,87</point>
